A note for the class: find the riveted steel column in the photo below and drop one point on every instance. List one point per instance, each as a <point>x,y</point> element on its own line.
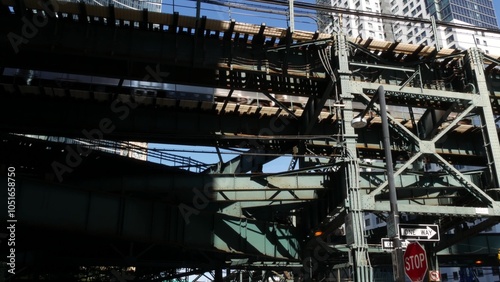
<point>355,218</point>
<point>475,60</point>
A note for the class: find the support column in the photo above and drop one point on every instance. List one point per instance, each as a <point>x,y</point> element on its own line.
<point>475,60</point>
<point>355,217</point>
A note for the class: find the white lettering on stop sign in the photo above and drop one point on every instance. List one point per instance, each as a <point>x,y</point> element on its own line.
<point>414,262</point>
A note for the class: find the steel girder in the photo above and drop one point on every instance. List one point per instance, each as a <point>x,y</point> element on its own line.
<point>214,187</point>
<point>427,189</point>
<point>109,215</point>
<point>62,117</point>
<point>464,195</point>
<point>213,52</point>
<point>428,147</point>
<point>470,189</point>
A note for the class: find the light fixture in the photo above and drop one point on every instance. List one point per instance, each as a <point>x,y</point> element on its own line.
<point>358,122</point>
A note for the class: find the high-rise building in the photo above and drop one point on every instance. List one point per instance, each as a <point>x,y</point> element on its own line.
<point>474,12</point>
<point>478,13</point>
<point>461,12</point>
<point>151,5</point>
<point>352,25</point>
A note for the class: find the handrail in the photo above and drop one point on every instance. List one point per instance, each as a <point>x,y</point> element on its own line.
<point>125,148</point>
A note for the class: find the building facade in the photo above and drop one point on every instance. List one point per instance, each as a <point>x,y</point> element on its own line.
<point>475,12</point>
<point>150,5</point>
<point>467,13</point>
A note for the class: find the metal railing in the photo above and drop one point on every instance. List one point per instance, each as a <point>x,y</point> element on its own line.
<point>127,149</point>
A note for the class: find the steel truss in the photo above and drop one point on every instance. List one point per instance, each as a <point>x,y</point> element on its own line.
<point>308,221</point>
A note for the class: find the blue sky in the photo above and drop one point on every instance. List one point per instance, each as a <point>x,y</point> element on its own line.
<point>187,7</point>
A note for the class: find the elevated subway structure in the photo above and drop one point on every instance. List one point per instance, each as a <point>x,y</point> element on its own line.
<point>113,74</point>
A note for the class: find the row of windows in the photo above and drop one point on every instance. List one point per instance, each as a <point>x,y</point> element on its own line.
<point>411,7</point>
<point>473,4</point>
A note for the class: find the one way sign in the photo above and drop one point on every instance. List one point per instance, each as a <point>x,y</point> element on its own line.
<point>419,232</point>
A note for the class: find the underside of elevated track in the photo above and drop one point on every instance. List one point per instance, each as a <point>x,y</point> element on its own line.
<point>77,81</point>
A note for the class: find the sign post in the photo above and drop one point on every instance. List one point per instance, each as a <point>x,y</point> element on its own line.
<point>415,261</point>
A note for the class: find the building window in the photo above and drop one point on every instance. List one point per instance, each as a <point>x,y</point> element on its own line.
<point>484,43</point>
<point>367,222</point>
<point>477,41</point>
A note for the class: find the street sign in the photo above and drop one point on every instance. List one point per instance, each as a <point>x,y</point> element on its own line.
<point>434,276</point>
<point>415,260</point>
<point>387,244</point>
<point>419,232</point>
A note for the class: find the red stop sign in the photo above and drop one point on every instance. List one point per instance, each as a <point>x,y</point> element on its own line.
<point>415,260</point>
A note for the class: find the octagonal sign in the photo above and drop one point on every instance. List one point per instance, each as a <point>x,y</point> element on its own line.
<point>415,260</point>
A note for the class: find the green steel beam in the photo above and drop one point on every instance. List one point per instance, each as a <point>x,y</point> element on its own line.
<point>215,187</point>
<point>133,50</point>
<point>458,235</point>
<point>247,161</point>
<point>63,117</point>
<point>437,181</point>
<point>107,215</point>
<point>434,209</point>
<point>432,94</point>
